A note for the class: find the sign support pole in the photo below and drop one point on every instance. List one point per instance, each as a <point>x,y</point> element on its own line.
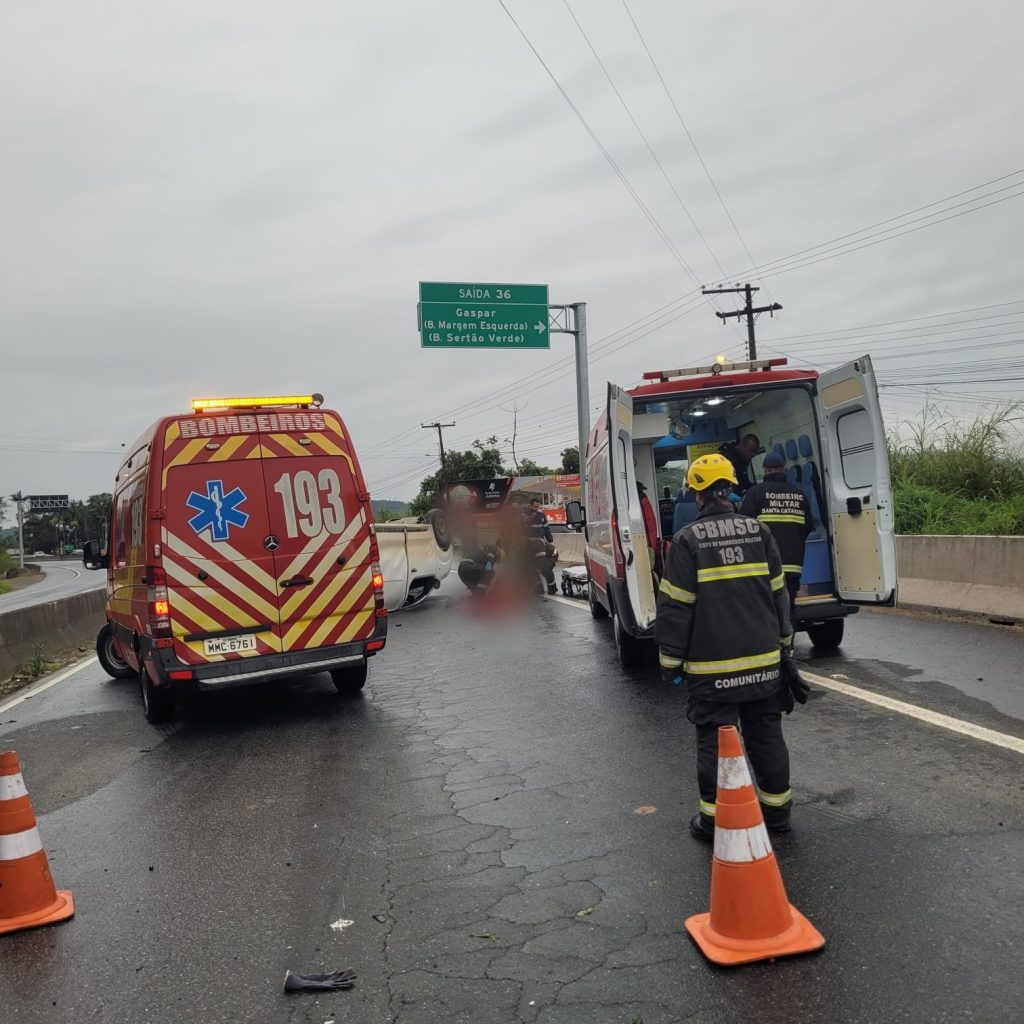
<point>576,325</point>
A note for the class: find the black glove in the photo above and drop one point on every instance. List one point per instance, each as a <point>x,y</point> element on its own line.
<point>792,678</point>
<point>670,673</point>
<point>316,982</point>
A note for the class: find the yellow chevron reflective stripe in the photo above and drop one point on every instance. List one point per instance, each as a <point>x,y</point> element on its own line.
<point>228,448</point>
<point>667,661</point>
<point>794,570</point>
<point>707,808</point>
<point>709,668</point>
<point>732,572</point>
<point>780,517</point>
<point>774,799</point>
<point>778,582</point>
<point>677,593</point>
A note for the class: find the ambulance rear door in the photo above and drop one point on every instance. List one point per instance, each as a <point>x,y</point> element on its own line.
<point>320,530</point>
<point>628,518</point>
<point>858,491</point>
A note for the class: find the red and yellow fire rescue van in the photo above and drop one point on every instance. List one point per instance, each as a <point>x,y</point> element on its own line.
<point>241,548</point>
<point>827,426</point>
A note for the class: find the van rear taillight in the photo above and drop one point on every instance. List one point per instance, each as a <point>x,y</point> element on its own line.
<point>378,587</point>
<point>158,602</point>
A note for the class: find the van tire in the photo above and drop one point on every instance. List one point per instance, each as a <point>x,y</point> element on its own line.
<point>113,664</point>
<point>597,610</point>
<point>350,679</point>
<point>828,635</point>
<point>157,704</point>
<point>438,519</point>
<point>627,647</point>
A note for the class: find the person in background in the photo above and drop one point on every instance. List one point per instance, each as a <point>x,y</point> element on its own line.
<point>740,455</point>
<point>784,509</point>
<point>536,521</point>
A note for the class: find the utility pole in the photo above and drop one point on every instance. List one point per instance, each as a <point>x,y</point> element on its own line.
<point>748,311</point>
<point>439,427</point>
<point>19,500</point>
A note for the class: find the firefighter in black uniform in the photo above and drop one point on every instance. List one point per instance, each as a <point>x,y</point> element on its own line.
<point>723,626</point>
<point>785,510</point>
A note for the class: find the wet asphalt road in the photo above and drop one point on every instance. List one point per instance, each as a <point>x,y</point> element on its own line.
<point>60,579</point>
<point>481,798</point>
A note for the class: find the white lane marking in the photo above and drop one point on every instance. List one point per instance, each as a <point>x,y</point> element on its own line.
<point>569,601</point>
<point>957,725</point>
<point>40,687</point>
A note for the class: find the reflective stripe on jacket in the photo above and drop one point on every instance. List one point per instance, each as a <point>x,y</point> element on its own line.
<point>723,607</point>
<point>785,510</point>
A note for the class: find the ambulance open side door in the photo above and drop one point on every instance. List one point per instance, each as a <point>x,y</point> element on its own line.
<point>629,522</point>
<point>858,491</point>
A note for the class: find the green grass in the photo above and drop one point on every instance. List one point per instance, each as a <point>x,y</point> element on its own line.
<point>951,477</point>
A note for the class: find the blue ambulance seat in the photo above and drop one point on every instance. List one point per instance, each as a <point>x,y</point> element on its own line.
<point>792,452</point>
<point>793,475</point>
<point>778,449</point>
<point>803,443</point>
<point>685,512</point>
<point>810,483</point>
<point>816,567</point>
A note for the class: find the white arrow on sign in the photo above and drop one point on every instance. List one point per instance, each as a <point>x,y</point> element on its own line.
<point>539,327</point>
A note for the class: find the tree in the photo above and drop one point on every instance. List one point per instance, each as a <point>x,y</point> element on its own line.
<point>570,460</point>
<point>527,467</point>
<point>3,511</point>
<point>482,461</point>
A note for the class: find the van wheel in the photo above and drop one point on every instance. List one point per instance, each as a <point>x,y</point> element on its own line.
<point>442,530</point>
<point>828,635</point>
<point>349,679</point>
<point>157,704</point>
<point>419,591</point>
<point>626,647</point>
<point>597,610</point>
<point>106,650</point>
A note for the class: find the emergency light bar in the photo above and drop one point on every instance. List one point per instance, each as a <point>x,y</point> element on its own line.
<point>716,368</point>
<point>304,401</point>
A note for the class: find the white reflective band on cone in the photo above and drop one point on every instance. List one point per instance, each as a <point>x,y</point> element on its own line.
<point>732,773</point>
<point>21,844</point>
<point>741,844</point>
<point>12,787</point>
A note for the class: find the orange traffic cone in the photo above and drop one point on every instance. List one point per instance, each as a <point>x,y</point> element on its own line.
<point>751,918</point>
<point>27,894</point>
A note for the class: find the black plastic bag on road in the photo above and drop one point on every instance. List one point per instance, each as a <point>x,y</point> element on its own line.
<point>318,982</point>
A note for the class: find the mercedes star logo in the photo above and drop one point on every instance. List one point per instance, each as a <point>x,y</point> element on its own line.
<point>271,543</point>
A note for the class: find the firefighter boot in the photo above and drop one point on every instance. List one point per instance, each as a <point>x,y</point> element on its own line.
<point>702,827</point>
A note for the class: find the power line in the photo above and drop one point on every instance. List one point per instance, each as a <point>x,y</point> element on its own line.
<point>677,255</point>
<point>686,130</point>
<point>889,220</point>
<point>643,136</point>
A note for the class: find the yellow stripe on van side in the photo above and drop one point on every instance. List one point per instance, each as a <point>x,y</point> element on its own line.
<point>319,607</point>
<point>182,576</point>
<point>205,622</point>
<point>334,425</point>
<point>290,444</point>
<point>314,542</point>
<point>357,623</point>
<point>348,606</point>
<point>185,456</point>
<point>175,545</point>
<point>172,435</point>
<point>295,597</point>
<point>229,447</point>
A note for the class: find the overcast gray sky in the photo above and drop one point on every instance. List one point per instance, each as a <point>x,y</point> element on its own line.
<point>203,198</point>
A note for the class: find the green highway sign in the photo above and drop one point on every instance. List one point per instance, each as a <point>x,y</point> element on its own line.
<point>457,315</point>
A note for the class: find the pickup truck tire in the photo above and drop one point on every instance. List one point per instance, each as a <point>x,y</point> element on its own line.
<point>419,591</point>
<point>112,662</point>
<point>828,635</point>
<point>350,679</point>
<point>442,529</point>
<point>157,704</point>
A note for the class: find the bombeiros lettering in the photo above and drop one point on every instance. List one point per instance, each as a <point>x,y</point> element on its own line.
<point>269,423</point>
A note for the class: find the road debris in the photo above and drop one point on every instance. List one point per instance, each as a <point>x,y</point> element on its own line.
<point>318,982</point>
<point>341,924</point>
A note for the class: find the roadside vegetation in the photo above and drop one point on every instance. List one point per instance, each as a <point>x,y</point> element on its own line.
<point>7,564</point>
<point>952,477</point>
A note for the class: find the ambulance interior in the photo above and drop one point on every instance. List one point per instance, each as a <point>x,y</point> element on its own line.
<point>673,430</point>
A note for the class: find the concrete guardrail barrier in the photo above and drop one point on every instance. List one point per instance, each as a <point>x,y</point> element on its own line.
<point>56,629</point>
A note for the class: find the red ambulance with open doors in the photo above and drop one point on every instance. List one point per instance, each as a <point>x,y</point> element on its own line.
<point>828,426</point>
<point>241,548</point>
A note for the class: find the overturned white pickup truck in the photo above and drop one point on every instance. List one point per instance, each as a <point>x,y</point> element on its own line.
<point>416,554</point>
